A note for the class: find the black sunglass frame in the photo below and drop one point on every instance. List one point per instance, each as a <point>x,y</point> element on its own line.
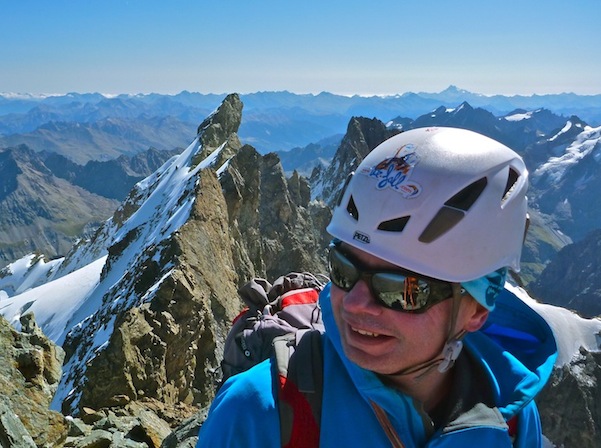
<point>439,290</point>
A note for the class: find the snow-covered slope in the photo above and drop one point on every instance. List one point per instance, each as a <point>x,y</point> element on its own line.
<point>64,292</point>
<point>56,303</point>
<point>26,273</point>
<point>571,331</point>
<point>587,140</point>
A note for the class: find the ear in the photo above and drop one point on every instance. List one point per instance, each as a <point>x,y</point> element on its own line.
<point>475,317</point>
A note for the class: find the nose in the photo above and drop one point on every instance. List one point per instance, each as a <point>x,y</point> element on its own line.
<point>360,300</point>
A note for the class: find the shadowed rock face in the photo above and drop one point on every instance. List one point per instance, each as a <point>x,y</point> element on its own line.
<point>570,405</point>
<point>572,280</point>
<point>275,230</point>
<point>362,135</point>
<point>41,212</point>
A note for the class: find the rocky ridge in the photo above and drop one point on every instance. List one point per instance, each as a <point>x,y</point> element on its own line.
<point>570,405</point>
<point>149,339</point>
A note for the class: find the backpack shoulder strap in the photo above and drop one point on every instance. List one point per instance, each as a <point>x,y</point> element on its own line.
<point>299,364</point>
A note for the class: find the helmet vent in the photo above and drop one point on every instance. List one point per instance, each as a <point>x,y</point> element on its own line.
<point>453,211</point>
<point>445,219</point>
<point>351,208</point>
<point>466,197</point>
<point>394,225</point>
<point>512,179</point>
<point>344,187</point>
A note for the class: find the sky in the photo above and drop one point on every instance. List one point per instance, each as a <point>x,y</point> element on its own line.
<point>345,47</point>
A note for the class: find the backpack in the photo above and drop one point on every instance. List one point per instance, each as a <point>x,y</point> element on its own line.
<point>283,321</point>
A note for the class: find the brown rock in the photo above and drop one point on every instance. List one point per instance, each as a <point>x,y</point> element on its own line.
<point>29,372</point>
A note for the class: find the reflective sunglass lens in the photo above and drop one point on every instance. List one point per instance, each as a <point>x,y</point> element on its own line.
<point>342,272</point>
<point>389,288</point>
<point>401,293</point>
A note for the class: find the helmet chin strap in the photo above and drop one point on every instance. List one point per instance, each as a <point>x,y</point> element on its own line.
<point>451,349</point>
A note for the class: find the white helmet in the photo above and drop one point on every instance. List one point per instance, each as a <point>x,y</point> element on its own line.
<point>442,202</point>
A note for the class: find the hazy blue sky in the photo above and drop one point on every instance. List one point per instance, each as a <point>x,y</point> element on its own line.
<point>346,47</point>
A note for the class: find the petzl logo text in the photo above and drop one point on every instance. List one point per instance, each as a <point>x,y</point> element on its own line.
<point>361,237</point>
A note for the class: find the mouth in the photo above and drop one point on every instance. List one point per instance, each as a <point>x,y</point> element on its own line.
<point>365,333</point>
<point>367,341</point>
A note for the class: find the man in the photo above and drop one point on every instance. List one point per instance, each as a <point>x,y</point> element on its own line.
<point>424,346</point>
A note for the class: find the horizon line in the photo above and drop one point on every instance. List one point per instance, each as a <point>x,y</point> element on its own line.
<point>43,95</point>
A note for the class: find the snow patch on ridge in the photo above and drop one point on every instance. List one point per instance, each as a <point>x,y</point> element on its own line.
<point>572,332</point>
<point>583,145</point>
<point>518,117</point>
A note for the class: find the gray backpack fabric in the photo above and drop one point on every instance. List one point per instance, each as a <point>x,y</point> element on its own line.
<point>299,364</point>
<point>288,307</point>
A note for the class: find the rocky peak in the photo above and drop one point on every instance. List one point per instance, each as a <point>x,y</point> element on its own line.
<point>171,238</point>
<point>362,135</point>
<point>221,127</point>
<point>218,129</point>
<point>299,189</point>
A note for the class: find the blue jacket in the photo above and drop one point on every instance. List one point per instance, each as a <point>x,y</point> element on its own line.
<point>515,352</point>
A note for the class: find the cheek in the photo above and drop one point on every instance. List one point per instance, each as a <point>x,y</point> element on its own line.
<point>336,294</point>
<point>431,326</point>
<point>336,297</point>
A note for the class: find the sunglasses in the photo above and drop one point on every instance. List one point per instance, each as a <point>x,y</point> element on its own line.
<point>398,290</point>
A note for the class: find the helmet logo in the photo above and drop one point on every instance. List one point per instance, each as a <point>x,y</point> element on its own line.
<point>362,237</point>
<point>496,282</point>
<point>395,171</point>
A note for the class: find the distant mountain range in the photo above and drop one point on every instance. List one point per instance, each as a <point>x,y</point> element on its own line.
<point>273,121</point>
<point>103,140</point>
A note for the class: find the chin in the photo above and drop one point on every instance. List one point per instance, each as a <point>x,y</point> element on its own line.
<point>376,364</point>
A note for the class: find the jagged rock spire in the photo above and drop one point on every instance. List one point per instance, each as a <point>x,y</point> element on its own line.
<point>221,128</point>
<point>362,135</point>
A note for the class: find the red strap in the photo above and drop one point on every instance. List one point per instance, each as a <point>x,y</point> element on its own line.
<point>512,423</point>
<point>305,431</point>
<point>240,315</point>
<point>300,297</point>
